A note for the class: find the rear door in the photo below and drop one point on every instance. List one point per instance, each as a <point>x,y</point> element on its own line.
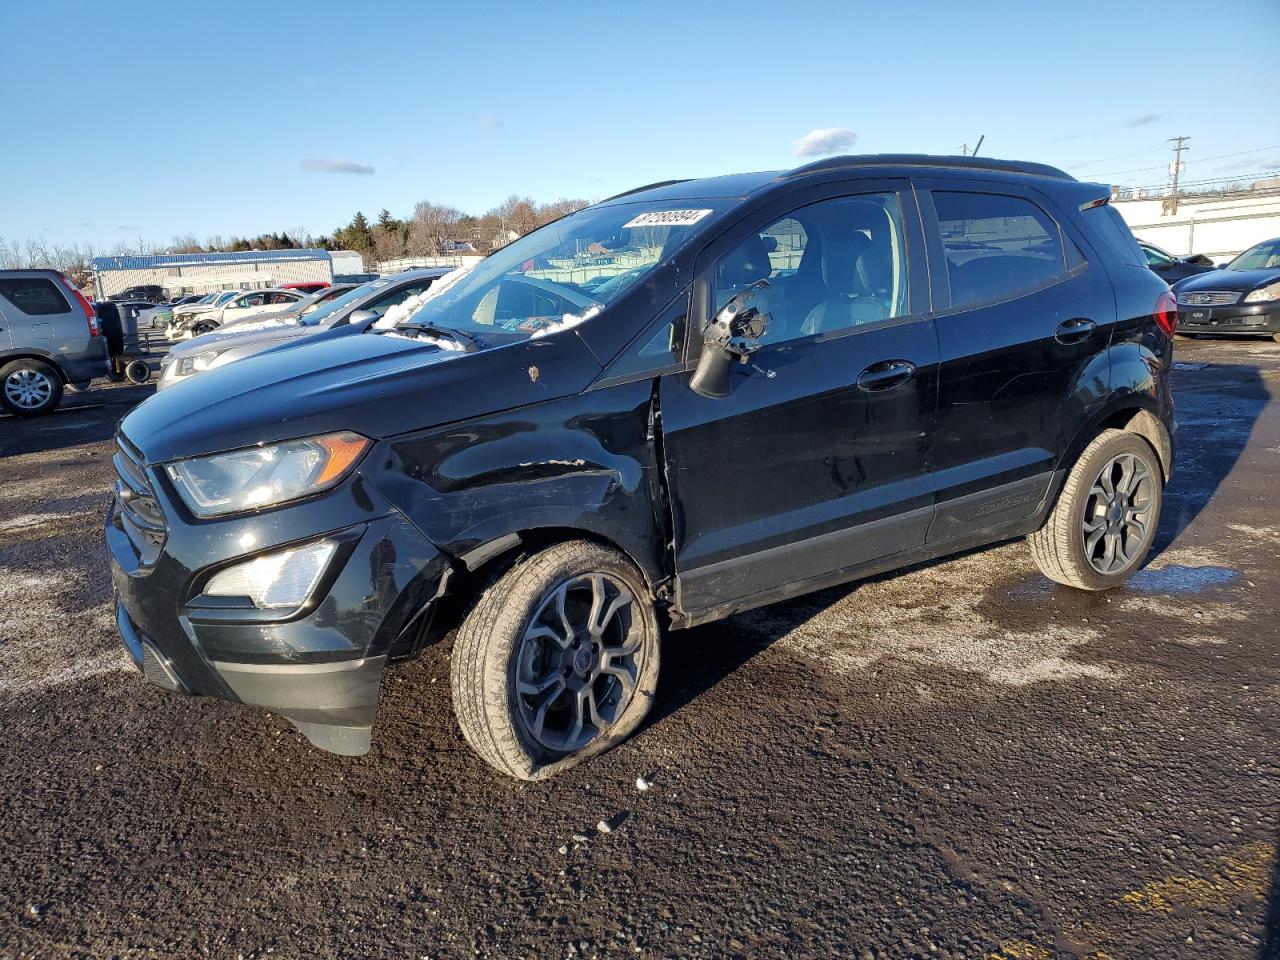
<point>39,314</point>
<point>817,460</point>
<point>1022,336</point>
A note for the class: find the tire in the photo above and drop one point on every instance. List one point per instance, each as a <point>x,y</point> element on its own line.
<point>30,388</point>
<point>1067,552</point>
<point>137,371</point>
<point>1276,337</point>
<point>207,326</point>
<point>508,637</point>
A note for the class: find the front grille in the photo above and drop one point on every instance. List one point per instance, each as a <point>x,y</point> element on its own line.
<point>137,507</point>
<point>1208,298</point>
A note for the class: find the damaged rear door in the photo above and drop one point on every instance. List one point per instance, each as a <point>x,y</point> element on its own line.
<point>817,460</point>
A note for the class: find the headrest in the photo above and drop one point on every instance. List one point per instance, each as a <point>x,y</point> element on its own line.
<point>743,265</point>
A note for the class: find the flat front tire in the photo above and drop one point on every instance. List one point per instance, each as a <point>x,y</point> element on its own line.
<point>1101,528</point>
<point>557,661</point>
<point>29,388</point>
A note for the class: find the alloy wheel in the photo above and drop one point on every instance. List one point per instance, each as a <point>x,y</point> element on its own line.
<point>28,389</point>
<point>576,665</point>
<point>1117,514</point>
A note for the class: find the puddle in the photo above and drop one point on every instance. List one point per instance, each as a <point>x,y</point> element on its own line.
<point>1177,578</point>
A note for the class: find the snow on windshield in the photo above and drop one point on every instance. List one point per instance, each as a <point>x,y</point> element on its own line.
<point>566,322</point>
<point>406,308</point>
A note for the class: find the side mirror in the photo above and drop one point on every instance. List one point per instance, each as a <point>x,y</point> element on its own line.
<point>362,316</point>
<point>734,334</point>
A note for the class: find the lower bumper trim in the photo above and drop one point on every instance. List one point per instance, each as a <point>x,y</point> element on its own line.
<point>333,704</point>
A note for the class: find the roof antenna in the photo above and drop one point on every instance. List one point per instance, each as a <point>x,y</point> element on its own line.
<point>979,146</point>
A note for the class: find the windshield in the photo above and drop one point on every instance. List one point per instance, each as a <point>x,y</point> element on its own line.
<point>1264,256</point>
<point>337,304</point>
<point>564,273</point>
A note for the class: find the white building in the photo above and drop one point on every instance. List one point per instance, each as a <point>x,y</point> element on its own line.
<point>1218,226</point>
<point>189,273</point>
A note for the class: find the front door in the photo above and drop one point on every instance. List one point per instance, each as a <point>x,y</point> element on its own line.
<point>816,462</point>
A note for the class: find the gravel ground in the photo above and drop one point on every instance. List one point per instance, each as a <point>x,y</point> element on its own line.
<point>957,761</point>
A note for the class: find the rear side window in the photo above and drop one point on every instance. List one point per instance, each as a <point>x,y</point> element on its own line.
<point>996,247</point>
<point>1108,226</point>
<point>34,296</point>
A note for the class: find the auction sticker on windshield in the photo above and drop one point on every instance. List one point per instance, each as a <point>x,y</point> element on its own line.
<point>666,218</point>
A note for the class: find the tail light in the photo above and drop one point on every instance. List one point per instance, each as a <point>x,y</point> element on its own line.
<point>90,317</point>
<point>1166,313</point>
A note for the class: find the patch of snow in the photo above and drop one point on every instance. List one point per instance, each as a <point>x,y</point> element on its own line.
<point>568,321</point>
<point>406,308</point>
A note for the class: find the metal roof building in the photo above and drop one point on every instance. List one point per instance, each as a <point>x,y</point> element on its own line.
<point>187,273</point>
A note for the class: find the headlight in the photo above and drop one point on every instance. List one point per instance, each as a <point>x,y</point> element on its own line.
<point>281,579</point>
<point>1270,292</point>
<point>264,476</point>
<point>197,363</point>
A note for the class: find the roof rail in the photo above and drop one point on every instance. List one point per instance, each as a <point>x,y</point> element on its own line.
<point>647,186</point>
<point>928,160</point>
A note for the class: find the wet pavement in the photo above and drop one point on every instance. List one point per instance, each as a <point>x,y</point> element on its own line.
<point>962,760</point>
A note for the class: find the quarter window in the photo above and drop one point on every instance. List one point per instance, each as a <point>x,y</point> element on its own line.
<point>34,296</point>
<point>996,247</point>
<point>831,266</point>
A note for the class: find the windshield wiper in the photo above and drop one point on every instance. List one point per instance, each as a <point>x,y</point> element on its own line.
<point>468,343</point>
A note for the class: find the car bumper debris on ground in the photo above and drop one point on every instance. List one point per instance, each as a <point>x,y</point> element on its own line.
<point>958,761</point>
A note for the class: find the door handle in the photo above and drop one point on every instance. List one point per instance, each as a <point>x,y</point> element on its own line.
<point>885,375</point>
<point>1074,330</point>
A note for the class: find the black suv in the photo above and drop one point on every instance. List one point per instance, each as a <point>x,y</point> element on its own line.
<point>685,401</point>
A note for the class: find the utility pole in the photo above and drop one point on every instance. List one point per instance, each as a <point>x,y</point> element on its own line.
<point>1176,169</point>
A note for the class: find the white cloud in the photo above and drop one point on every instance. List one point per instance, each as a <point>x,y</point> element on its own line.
<point>824,140</point>
<point>490,123</point>
<point>337,166</point>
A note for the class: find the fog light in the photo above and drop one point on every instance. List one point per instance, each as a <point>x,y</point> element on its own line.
<point>282,579</point>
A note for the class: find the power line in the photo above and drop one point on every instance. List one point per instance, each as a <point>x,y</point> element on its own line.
<point>1221,156</point>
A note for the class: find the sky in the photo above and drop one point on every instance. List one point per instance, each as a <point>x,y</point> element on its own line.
<point>129,121</point>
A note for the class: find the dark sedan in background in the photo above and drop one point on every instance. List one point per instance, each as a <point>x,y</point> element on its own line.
<point>1171,269</point>
<point>1241,298</point>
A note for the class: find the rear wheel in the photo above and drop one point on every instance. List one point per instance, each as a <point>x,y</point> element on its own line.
<point>1105,519</point>
<point>29,388</point>
<point>557,661</point>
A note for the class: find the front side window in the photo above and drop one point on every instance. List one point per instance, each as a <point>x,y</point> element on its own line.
<point>34,296</point>
<point>830,266</point>
<point>996,247</point>
<point>563,273</point>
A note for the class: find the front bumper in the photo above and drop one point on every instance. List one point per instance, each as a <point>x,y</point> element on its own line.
<point>1262,319</point>
<point>319,665</point>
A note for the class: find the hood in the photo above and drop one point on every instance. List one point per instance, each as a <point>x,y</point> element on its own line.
<point>1241,280</point>
<point>374,384</point>
<point>227,338</point>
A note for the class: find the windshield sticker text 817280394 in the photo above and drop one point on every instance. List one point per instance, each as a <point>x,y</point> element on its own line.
<point>666,218</point>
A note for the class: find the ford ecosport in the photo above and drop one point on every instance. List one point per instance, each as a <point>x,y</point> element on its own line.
<point>682,402</point>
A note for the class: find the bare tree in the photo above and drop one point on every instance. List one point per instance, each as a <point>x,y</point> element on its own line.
<point>431,228</point>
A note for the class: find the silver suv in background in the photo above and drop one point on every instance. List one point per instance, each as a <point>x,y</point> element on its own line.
<point>49,337</point>
<point>353,312</point>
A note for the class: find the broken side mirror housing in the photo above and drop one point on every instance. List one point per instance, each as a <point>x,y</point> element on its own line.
<point>734,334</point>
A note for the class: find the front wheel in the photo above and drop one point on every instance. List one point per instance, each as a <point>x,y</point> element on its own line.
<point>557,662</point>
<point>200,329</point>
<point>1105,519</point>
